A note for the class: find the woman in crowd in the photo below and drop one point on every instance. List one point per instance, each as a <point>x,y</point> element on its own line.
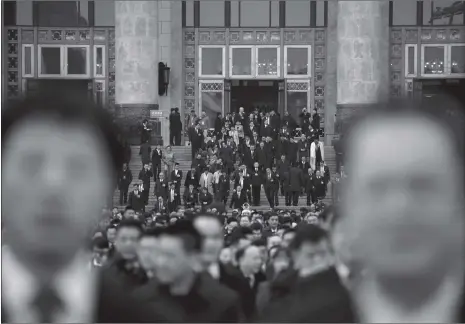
<point>169,160</point>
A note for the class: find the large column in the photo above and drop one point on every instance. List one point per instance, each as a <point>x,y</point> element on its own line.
<point>363,54</point>
<point>136,29</point>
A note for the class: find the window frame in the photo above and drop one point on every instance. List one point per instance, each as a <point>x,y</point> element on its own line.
<point>422,72</point>
<point>199,109</point>
<point>201,48</point>
<point>415,62</point>
<point>23,61</point>
<point>449,59</point>
<point>87,75</point>
<point>309,62</point>
<point>308,91</point>
<point>103,74</point>
<point>39,61</point>
<point>63,62</point>
<point>278,61</point>
<point>252,62</point>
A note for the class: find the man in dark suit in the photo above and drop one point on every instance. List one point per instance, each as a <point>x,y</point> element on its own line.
<point>239,198</point>
<point>318,296</point>
<point>174,199</point>
<point>176,177</point>
<point>161,186</point>
<point>160,205</point>
<point>145,175</point>
<point>246,279</point>
<point>45,277</point>
<point>282,167</point>
<point>196,297</point>
<point>157,156</point>
<point>271,187</point>
<point>124,266</point>
<point>145,151</point>
<point>205,198</point>
<point>308,185</point>
<point>224,186</point>
<point>178,128</point>
<point>191,196</point>
<point>197,139</point>
<point>295,184</point>
<point>124,180</point>
<point>136,199</point>
<point>256,180</point>
<point>192,178</point>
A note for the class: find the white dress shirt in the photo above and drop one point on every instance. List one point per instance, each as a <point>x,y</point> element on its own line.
<point>75,286</point>
<point>214,270</point>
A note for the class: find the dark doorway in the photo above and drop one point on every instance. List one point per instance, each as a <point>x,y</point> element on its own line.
<point>432,90</point>
<point>451,87</point>
<point>251,94</point>
<point>77,87</point>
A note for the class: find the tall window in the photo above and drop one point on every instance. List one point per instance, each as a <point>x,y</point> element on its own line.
<point>297,13</point>
<point>255,13</point>
<point>404,13</point>
<point>444,12</point>
<point>212,14</point>
<point>62,13</point>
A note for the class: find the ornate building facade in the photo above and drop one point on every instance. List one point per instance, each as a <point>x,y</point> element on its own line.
<point>280,55</point>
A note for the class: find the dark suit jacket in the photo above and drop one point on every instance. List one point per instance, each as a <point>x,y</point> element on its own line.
<point>156,158</point>
<point>319,298</point>
<point>237,282</point>
<point>114,305</point>
<point>208,301</point>
<point>295,179</point>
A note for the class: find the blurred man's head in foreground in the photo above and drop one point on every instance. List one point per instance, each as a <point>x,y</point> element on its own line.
<point>60,154</point>
<point>402,207</point>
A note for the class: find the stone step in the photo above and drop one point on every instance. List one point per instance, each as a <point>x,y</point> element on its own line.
<point>184,161</point>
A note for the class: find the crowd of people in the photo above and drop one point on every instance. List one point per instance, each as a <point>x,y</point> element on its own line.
<point>234,158</point>
<point>390,250</point>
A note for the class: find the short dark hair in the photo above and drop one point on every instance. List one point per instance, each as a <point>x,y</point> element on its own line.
<point>67,107</point>
<point>100,243</point>
<point>307,233</point>
<point>256,227</point>
<point>231,220</point>
<point>152,232</point>
<point>130,223</point>
<point>185,230</point>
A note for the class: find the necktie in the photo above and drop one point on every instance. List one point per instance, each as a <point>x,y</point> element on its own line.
<point>47,303</point>
<point>161,205</point>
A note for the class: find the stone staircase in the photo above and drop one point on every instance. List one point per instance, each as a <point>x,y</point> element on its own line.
<point>182,155</point>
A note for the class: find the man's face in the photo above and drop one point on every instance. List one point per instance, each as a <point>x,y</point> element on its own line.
<point>252,259</point>
<point>402,205</point>
<point>126,241</point>
<point>273,221</point>
<point>111,235</point>
<point>287,239</point>
<point>313,257</point>
<point>53,167</point>
<point>245,221</point>
<point>172,261</point>
<point>129,213</point>
<point>255,165</point>
<point>232,226</point>
<point>225,256</point>
<point>147,251</point>
<point>257,234</point>
<point>212,233</point>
